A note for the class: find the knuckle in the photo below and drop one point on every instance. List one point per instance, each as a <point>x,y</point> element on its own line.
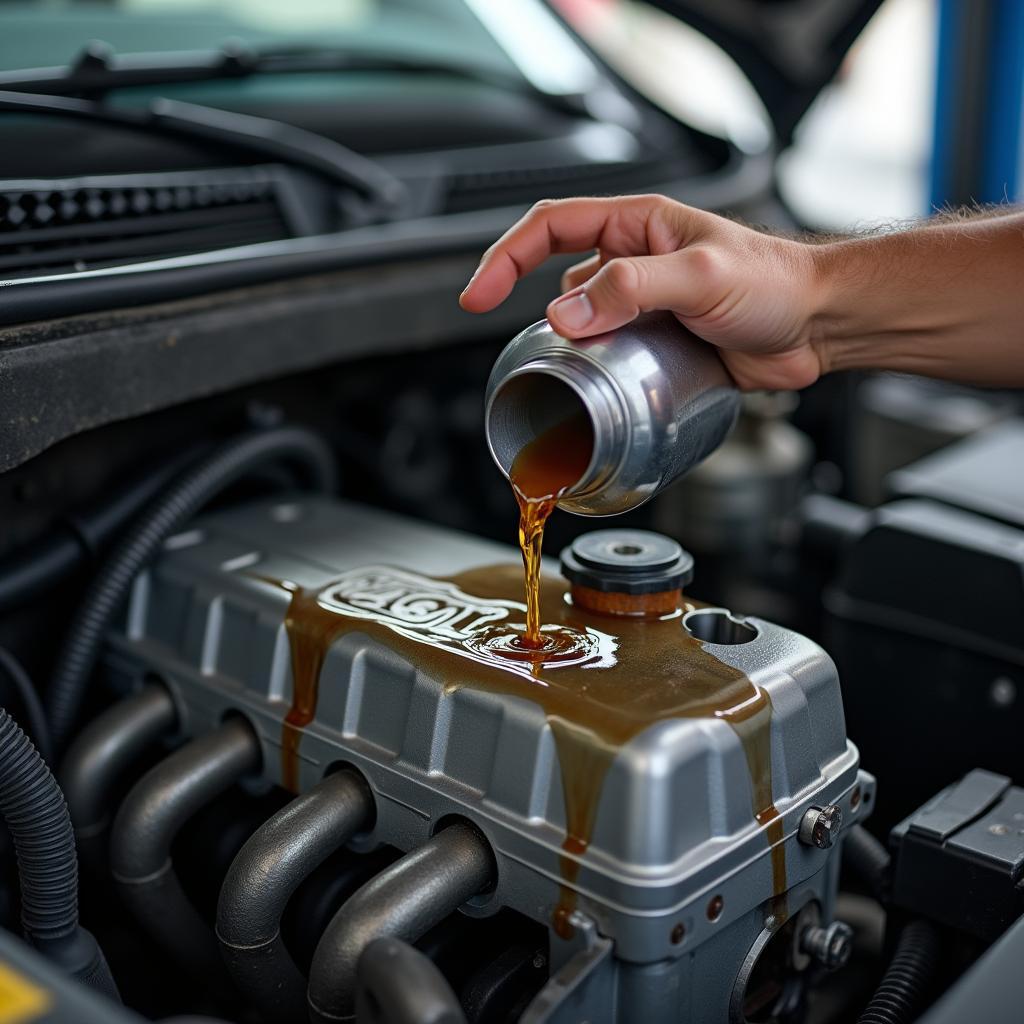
<point>656,203</point>
<point>622,279</point>
<point>706,264</point>
<point>542,206</point>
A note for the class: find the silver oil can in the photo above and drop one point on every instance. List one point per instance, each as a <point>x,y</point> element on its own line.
<point>659,400</point>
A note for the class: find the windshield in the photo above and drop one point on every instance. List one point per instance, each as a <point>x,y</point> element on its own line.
<point>521,38</point>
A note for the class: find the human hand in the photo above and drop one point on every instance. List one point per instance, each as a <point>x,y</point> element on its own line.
<point>750,294</point>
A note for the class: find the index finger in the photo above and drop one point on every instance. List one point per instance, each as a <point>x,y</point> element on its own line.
<point>620,224</point>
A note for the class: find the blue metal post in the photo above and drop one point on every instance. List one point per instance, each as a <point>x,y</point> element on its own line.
<point>1001,169</point>
<point>979,101</point>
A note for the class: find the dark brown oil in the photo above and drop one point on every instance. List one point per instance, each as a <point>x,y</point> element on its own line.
<point>541,473</point>
<point>634,673</point>
<point>310,635</point>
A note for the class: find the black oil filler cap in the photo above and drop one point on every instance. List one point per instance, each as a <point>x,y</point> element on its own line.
<point>627,562</point>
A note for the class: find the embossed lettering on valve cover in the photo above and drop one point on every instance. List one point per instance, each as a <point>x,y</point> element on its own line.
<point>438,613</point>
<point>410,603</point>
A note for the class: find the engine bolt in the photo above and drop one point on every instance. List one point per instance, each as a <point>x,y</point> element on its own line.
<point>820,826</point>
<point>830,946</point>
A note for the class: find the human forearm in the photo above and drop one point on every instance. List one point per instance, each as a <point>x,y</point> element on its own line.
<point>945,300</point>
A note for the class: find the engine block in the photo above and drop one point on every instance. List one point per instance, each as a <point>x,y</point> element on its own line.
<point>644,801</point>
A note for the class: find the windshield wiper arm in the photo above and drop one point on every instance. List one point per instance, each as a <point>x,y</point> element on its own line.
<point>98,70</point>
<point>264,137</point>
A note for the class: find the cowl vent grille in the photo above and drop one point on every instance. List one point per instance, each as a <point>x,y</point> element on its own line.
<point>500,186</point>
<point>83,223</point>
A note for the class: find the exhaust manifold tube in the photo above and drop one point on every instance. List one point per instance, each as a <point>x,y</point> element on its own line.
<point>423,996</point>
<point>263,877</point>
<point>403,902</point>
<point>149,819</point>
<point>101,753</point>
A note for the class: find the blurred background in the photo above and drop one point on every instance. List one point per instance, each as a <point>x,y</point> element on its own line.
<point>924,111</point>
<point>860,156</point>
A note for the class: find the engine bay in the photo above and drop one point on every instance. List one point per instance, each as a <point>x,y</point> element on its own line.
<point>268,751</point>
<point>680,817</point>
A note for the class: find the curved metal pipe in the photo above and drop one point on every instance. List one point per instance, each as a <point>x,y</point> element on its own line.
<point>101,753</point>
<point>262,878</point>
<point>423,996</point>
<point>405,901</point>
<point>149,819</point>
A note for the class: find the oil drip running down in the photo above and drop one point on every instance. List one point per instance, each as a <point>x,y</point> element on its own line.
<point>630,674</point>
<point>542,472</point>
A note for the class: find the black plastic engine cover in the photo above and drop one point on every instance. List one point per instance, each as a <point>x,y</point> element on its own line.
<point>966,844</point>
<point>926,624</point>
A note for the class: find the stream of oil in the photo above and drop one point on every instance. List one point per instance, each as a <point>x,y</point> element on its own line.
<point>607,680</point>
<point>540,475</point>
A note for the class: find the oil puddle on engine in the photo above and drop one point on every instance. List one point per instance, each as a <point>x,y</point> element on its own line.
<point>618,677</point>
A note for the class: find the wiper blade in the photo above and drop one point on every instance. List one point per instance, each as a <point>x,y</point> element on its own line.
<point>380,190</point>
<point>98,70</point>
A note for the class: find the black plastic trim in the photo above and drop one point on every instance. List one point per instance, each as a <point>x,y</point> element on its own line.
<point>277,308</point>
<point>992,990</point>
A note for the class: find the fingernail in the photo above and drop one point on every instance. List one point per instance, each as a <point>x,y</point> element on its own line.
<point>573,311</point>
<point>469,283</point>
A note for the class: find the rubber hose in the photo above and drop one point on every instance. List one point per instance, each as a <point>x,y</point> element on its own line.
<point>30,702</point>
<point>78,537</point>
<point>869,860</point>
<point>901,995</point>
<point>28,572</point>
<point>174,507</point>
<point>37,817</point>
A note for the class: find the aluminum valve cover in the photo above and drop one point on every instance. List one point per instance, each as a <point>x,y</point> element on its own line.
<point>665,817</point>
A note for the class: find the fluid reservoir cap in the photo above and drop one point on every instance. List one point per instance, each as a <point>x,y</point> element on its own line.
<point>627,562</point>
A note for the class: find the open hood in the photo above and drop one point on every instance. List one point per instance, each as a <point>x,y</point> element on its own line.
<point>789,49</point>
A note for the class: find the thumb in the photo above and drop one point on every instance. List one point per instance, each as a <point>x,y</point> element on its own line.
<point>625,287</point>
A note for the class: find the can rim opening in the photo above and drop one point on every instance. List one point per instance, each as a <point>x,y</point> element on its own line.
<point>528,403</point>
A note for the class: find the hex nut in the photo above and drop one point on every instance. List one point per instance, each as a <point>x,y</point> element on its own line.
<point>830,946</point>
<point>820,826</point>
